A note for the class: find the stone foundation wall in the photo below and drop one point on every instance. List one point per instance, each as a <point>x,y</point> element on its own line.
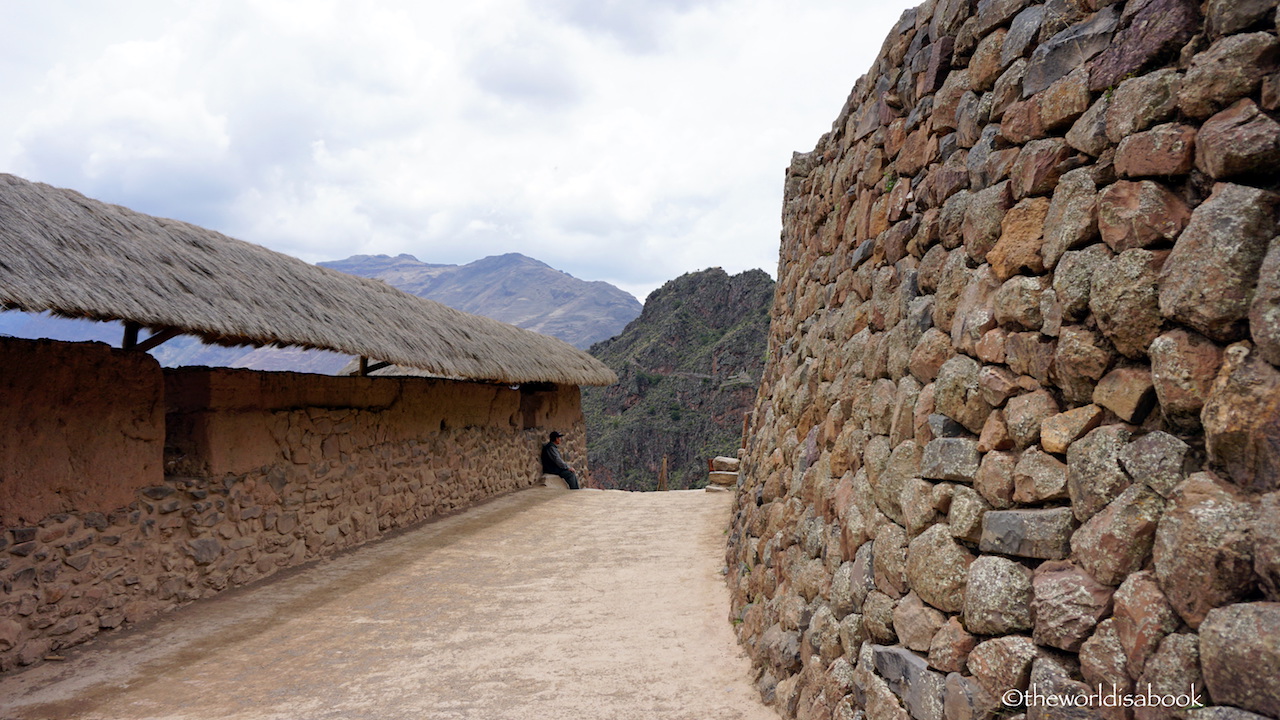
<point>262,471</point>
<point>1020,424</point>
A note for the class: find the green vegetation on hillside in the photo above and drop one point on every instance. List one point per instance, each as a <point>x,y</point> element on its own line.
<point>688,371</point>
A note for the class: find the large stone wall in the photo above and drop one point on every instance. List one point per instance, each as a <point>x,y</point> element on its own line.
<point>261,471</point>
<point>1020,424</point>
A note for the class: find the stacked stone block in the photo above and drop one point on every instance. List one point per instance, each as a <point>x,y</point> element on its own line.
<point>1021,419</point>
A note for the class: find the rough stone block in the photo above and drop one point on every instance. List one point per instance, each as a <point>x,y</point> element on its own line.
<point>1230,69</point>
<point>1044,534</point>
<point>1164,150</point>
<point>1264,312</point>
<point>1004,663</point>
<point>1128,392</point>
<point>1184,365</point>
<point>1141,102</point>
<point>1039,477</point>
<point>1242,434</point>
<point>1068,605</point>
<point>1174,670</point>
<point>1159,460</point>
<point>958,395</point>
<point>1157,29</point>
<point>909,677</point>
<point>995,478</point>
<point>1057,432</point>
<point>950,459</point>
<point>1142,618</point>
<point>951,646</point>
<point>1069,49</point>
<point>1243,641</point>
<point>1025,413</point>
<point>1094,475</point>
<point>1140,214</point>
<point>998,597</point>
<point>1203,553</point>
<point>1241,140</point>
<point>967,700</point>
<point>1124,295</point>
<point>916,623</point>
<point>937,567</point>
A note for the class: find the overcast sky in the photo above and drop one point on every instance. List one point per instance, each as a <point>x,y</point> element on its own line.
<point>628,141</point>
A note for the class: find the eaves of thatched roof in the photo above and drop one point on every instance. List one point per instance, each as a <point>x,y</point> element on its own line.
<point>68,254</point>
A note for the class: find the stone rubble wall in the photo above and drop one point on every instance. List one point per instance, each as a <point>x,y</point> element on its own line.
<point>261,472</point>
<point>1020,423</point>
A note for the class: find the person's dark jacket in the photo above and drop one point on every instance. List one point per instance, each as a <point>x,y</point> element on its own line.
<point>551,460</point>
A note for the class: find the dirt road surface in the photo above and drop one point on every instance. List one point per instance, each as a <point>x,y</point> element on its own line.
<point>542,604</point>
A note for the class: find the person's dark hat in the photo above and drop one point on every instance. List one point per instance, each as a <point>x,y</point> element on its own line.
<point>555,435</point>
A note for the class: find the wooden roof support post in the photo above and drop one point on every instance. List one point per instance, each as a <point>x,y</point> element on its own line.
<point>130,340</point>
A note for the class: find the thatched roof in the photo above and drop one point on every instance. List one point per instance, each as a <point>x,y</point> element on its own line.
<point>65,253</point>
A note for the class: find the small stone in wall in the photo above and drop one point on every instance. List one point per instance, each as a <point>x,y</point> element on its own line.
<point>951,646</point>
<point>1142,102</point>
<point>1069,49</point>
<point>957,393</point>
<point>1140,214</point>
<point>1266,550</point>
<point>1026,413</point>
<point>1102,662</point>
<point>910,678</point>
<point>1155,30</point>
<point>1124,298</point>
<point>995,434</point>
<point>877,617</point>
<point>1128,392</point>
<point>950,459</point>
<point>1050,677</point>
<point>1094,475</point>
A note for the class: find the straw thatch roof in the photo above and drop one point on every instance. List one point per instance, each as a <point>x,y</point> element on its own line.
<point>77,257</point>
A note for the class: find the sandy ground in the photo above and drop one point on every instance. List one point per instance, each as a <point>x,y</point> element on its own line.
<point>542,604</point>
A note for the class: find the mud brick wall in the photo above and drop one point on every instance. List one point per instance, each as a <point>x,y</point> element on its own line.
<point>130,491</point>
<point>1020,423</point>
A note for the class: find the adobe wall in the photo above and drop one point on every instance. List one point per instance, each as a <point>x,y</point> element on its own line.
<point>1020,424</point>
<point>261,471</point>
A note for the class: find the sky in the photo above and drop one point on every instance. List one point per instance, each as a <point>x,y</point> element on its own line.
<point>628,141</point>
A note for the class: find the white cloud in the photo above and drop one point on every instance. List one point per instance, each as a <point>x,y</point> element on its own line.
<point>615,140</point>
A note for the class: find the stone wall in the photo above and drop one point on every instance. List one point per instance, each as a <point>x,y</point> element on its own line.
<point>261,471</point>
<point>1020,424</point>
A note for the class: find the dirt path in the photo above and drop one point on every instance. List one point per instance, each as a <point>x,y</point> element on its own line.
<point>542,604</point>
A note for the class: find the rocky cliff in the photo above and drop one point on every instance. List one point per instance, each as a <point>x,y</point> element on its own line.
<point>688,371</point>
<point>1020,426</point>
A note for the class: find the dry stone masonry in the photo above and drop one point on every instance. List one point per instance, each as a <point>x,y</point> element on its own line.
<point>1020,423</point>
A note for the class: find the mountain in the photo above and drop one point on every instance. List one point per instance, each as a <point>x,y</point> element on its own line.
<point>688,371</point>
<point>511,288</point>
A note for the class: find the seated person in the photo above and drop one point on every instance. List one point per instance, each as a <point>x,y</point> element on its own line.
<point>555,465</point>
